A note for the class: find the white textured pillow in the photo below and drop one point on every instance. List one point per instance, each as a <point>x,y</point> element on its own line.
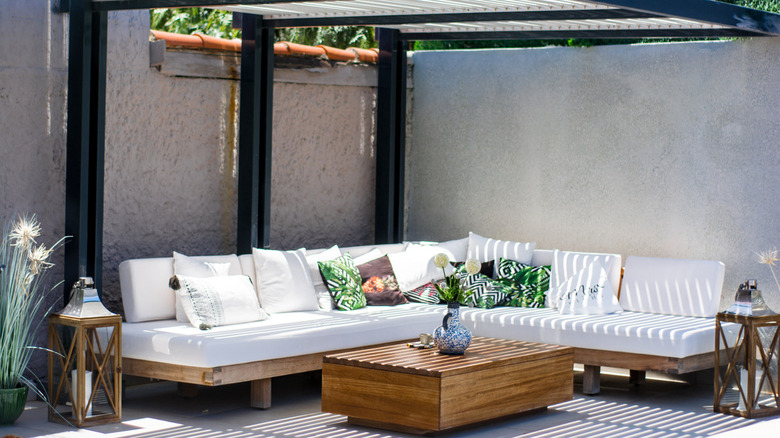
<point>314,270</point>
<point>284,281</point>
<point>213,301</point>
<point>374,254</point>
<point>586,292</point>
<point>190,267</point>
<point>485,249</point>
<point>459,248</point>
<point>567,263</point>
<point>414,267</point>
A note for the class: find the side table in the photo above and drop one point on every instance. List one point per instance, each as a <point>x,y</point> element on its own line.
<point>748,387</point>
<point>85,375</point>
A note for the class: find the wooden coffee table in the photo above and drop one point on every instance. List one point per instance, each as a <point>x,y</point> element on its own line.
<point>420,391</point>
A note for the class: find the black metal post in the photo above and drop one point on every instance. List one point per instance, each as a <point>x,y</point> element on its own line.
<point>254,135</point>
<point>391,139</point>
<point>85,144</point>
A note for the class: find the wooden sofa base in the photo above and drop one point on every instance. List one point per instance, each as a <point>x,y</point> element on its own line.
<point>638,364</point>
<point>260,373</point>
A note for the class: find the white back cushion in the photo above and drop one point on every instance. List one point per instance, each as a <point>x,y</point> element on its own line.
<point>542,257</point>
<point>672,286</point>
<point>485,249</point>
<point>144,285</point>
<point>384,248</point>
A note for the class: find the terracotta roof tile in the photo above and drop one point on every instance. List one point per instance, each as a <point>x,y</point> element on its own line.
<point>198,40</point>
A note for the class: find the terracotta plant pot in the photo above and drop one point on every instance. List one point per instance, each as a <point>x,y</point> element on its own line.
<point>12,403</point>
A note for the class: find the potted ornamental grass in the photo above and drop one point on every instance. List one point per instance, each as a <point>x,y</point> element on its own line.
<point>23,264</point>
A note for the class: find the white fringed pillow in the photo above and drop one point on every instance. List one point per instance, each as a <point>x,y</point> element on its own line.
<point>191,267</point>
<point>214,301</point>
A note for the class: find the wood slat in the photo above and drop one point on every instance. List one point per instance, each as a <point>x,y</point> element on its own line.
<point>484,353</point>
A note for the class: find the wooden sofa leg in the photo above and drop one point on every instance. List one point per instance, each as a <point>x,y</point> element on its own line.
<point>637,377</point>
<point>591,380</point>
<point>261,394</point>
<point>187,390</point>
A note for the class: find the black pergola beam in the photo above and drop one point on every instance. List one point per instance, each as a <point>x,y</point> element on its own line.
<point>118,5</point>
<point>710,11</point>
<point>584,34</point>
<point>389,20</point>
<point>391,137</point>
<point>254,135</point>
<point>706,10</point>
<point>85,144</point>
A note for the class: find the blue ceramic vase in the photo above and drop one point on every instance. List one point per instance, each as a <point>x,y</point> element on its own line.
<point>452,337</point>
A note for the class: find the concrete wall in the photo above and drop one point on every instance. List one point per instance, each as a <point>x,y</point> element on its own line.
<point>171,160</point>
<point>170,178</point>
<point>664,150</point>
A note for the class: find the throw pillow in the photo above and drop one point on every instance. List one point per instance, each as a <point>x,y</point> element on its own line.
<point>481,290</point>
<point>373,254</point>
<point>485,249</point>
<point>343,280</point>
<point>586,292</point>
<point>486,269</point>
<point>314,270</point>
<point>426,294</point>
<point>414,266</point>
<point>528,284</point>
<point>283,281</point>
<point>567,263</point>
<point>214,301</point>
<point>379,283</point>
<point>191,267</point>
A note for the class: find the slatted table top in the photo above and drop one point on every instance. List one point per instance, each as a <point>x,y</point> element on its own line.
<point>483,353</point>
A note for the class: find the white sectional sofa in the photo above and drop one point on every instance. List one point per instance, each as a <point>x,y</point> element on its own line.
<point>668,325</point>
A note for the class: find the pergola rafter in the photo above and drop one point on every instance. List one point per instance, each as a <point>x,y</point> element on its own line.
<point>400,21</point>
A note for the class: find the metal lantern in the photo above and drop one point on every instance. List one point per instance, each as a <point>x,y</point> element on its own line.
<point>85,376</point>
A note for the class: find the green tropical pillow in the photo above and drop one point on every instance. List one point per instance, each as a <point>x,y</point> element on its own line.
<point>344,283</point>
<point>527,284</point>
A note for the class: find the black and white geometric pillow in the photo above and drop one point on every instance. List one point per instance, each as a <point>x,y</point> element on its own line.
<point>426,294</point>
<point>483,292</point>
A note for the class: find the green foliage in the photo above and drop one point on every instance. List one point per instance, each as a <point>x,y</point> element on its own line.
<point>763,5</point>
<point>336,36</point>
<point>218,23</point>
<point>186,21</point>
<point>22,268</point>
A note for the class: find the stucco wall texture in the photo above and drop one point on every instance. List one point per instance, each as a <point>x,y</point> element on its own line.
<point>666,150</point>
<point>170,160</point>
<point>171,164</point>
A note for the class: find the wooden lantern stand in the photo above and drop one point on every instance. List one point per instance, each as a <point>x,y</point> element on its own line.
<point>76,346</point>
<point>756,360</point>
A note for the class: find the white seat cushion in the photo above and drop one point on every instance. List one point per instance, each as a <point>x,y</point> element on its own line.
<point>672,286</point>
<point>631,332</point>
<point>281,335</point>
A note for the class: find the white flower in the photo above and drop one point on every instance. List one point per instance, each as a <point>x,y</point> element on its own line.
<point>441,260</point>
<point>24,232</point>
<point>768,257</point>
<point>473,266</point>
<point>38,257</point>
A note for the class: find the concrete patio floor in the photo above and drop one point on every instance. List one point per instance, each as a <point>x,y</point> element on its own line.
<point>659,408</point>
